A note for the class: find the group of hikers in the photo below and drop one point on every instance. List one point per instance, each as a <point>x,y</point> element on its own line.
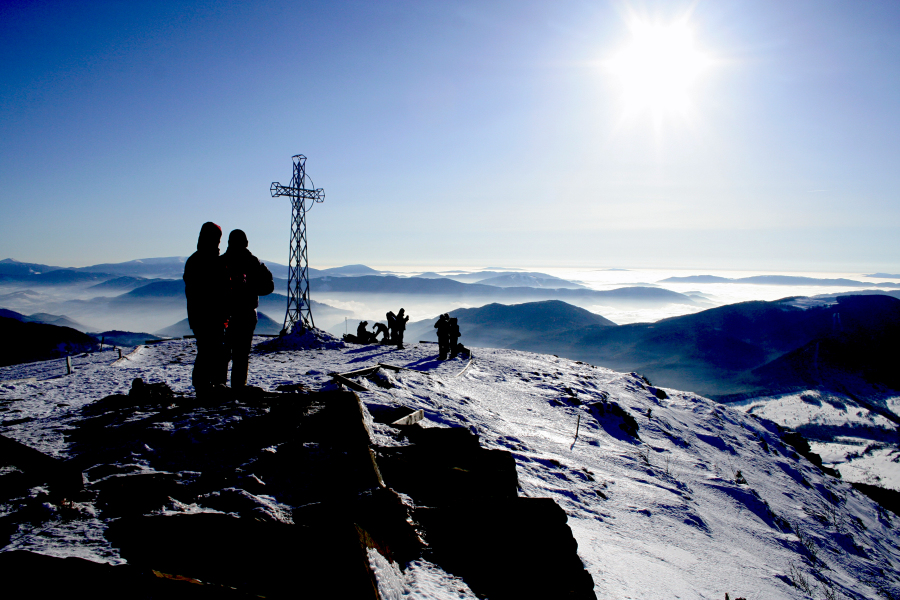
<point>222,297</point>
<point>448,337</point>
<point>392,334</point>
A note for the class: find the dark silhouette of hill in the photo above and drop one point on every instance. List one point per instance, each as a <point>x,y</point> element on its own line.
<point>891,293</point>
<point>506,326</point>
<point>27,342</point>
<point>455,290</point>
<point>46,275</point>
<point>751,347</point>
<point>476,276</point>
<point>265,325</point>
<point>862,348</point>
<point>62,277</point>
<point>125,283</point>
<point>741,348</point>
<point>169,288</point>
<point>179,329</point>
<point>169,267</point>
<point>347,270</point>
<point>123,338</point>
<point>14,269</point>
<point>59,320</point>
<point>147,268</point>
<point>709,352</point>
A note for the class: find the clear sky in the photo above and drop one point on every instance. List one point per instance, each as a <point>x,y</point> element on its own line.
<point>719,134</point>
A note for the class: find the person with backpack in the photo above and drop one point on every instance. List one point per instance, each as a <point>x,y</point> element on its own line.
<point>391,326</point>
<point>247,279</point>
<point>204,287</point>
<point>443,335</point>
<point>454,337</point>
<point>400,327</point>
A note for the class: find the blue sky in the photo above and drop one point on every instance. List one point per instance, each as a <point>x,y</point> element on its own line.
<point>451,133</point>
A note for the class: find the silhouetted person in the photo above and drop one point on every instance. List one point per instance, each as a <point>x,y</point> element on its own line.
<point>400,327</point>
<point>204,287</point>
<point>443,335</point>
<point>362,335</point>
<point>383,330</point>
<point>454,337</point>
<point>248,279</point>
<point>391,325</point>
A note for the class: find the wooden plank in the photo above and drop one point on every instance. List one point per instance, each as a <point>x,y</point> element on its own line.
<point>468,364</point>
<point>392,367</point>
<point>411,418</point>
<point>346,382</point>
<point>361,372</point>
<point>426,342</point>
<point>127,356</point>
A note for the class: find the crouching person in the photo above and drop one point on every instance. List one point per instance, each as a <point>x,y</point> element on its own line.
<point>248,279</point>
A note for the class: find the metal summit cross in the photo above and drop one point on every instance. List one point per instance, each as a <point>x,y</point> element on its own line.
<point>298,307</point>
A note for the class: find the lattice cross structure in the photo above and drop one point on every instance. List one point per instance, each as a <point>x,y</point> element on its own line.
<point>299,311</point>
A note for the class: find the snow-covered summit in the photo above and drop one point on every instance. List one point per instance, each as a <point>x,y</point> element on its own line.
<point>696,501</point>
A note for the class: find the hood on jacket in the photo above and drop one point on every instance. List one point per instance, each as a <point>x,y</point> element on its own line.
<point>210,235</point>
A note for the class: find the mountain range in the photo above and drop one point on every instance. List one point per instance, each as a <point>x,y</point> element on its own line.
<point>458,291</point>
<point>779,280</point>
<point>743,348</point>
<point>28,341</point>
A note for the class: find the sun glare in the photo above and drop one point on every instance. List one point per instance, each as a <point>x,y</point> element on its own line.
<point>658,67</point>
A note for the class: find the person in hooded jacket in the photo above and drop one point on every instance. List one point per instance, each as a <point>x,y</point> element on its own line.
<point>247,279</point>
<point>204,287</point>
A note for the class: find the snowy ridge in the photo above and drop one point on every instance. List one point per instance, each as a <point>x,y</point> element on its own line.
<point>704,500</point>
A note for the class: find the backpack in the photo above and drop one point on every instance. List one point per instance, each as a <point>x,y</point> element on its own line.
<point>247,281</point>
<point>265,283</point>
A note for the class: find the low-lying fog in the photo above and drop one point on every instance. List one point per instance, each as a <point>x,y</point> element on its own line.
<point>98,311</point>
<point>709,294</point>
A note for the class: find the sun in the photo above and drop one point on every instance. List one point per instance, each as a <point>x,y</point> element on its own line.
<point>658,68</point>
